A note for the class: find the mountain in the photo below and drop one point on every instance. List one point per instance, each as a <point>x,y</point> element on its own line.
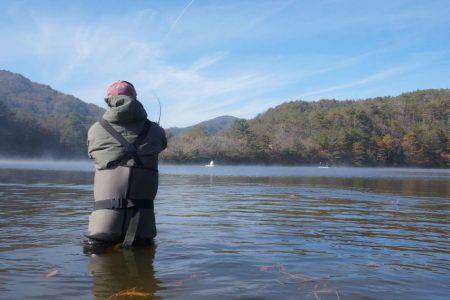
<point>36,120</point>
<point>411,129</point>
<point>213,126</point>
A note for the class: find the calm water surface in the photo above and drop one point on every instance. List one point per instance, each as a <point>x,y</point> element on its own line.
<point>233,232</point>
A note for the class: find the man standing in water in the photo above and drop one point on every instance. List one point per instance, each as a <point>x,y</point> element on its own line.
<point>125,146</point>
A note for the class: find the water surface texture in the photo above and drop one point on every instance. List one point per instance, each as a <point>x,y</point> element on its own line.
<point>233,232</point>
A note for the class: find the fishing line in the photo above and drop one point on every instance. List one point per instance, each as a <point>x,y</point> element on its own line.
<point>174,24</point>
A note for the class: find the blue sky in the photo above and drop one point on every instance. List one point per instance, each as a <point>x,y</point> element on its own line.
<point>210,58</point>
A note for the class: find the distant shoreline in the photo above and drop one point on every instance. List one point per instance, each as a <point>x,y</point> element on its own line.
<point>85,164</point>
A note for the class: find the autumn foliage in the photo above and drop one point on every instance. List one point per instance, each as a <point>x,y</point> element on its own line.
<point>408,130</point>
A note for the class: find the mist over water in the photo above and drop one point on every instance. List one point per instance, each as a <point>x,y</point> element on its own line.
<point>239,170</point>
<point>233,231</point>
<point>47,164</point>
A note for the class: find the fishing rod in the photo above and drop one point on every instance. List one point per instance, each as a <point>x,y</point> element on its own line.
<point>159,102</point>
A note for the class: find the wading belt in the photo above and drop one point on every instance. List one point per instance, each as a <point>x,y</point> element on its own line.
<point>122,203</point>
<point>130,151</point>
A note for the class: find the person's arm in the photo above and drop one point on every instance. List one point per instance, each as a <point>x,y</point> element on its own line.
<point>164,139</point>
<point>89,143</point>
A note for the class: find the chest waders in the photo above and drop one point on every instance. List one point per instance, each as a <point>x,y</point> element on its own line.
<point>123,207</point>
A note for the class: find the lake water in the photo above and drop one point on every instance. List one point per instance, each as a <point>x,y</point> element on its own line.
<point>233,232</point>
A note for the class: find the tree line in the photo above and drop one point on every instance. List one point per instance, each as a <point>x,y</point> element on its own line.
<point>407,130</point>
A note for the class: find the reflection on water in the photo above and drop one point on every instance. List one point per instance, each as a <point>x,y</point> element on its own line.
<point>113,271</point>
<point>228,234</point>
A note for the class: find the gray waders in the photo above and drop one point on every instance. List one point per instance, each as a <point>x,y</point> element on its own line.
<point>123,207</point>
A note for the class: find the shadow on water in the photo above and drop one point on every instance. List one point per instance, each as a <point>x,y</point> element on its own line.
<point>119,273</point>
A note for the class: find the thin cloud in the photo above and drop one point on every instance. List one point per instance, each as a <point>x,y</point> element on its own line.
<point>175,23</point>
<point>228,57</point>
<point>374,77</point>
<point>206,62</point>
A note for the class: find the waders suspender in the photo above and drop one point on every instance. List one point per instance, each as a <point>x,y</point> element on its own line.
<point>131,150</point>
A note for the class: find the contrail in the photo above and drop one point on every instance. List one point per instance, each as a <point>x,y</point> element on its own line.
<point>177,20</point>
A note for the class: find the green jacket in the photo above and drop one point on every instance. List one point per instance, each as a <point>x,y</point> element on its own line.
<point>127,116</point>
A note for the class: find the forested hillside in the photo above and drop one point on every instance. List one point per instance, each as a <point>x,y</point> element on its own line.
<point>37,121</point>
<point>213,126</point>
<point>408,130</point>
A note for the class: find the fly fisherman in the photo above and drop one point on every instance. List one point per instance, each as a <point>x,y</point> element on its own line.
<point>125,146</point>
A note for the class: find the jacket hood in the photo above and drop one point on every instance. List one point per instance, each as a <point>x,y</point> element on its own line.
<point>124,109</point>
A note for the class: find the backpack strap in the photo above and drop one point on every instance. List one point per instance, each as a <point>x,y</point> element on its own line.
<point>133,225</point>
<point>143,134</point>
<point>130,148</point>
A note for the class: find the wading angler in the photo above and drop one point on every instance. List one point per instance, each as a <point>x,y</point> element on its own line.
<point>125,146</point>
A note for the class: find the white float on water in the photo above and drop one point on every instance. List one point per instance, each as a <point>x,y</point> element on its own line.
<point>323,166</point>
<point>211,164</point>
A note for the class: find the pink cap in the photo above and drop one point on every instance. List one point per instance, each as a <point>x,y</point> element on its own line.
<point>121,88</point>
